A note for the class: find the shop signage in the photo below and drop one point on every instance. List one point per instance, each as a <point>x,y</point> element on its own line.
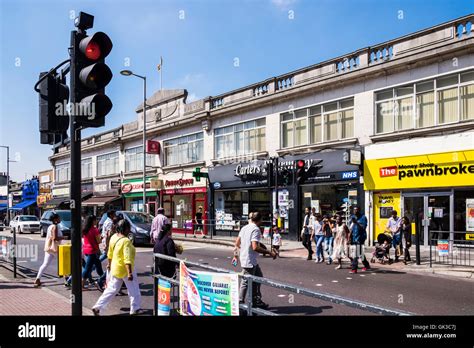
<point>350,175</point>
<point>217,185</point>
<point>152,147</point>
<point>384,203</point>
<point>469,215</point>
<point>179,182</point>
<point>45,190</point>
<point>42,199</point>
<point>424,171</point>
<point>137,186</point>
<point>184,190</point>
<point>61,191</point>
<point>250,169</point>
<point>86,188</point>
<point>105,188</point>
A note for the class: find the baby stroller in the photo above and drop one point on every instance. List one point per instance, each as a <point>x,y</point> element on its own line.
<point>382,248</point>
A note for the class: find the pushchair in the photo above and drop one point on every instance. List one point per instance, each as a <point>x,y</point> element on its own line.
<point>382,248</point>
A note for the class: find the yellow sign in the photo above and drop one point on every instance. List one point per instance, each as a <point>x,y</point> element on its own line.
<point>470,236</point>
<point>425,171</point>
<point>384,204</point>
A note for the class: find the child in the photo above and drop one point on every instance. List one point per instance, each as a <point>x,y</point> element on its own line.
<point>276,243</point>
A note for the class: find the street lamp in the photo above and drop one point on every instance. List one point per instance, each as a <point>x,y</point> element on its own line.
<point>130,73</point>
<point>8,207</point>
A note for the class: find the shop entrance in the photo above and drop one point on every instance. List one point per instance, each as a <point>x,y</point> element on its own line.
<point>429,212</point>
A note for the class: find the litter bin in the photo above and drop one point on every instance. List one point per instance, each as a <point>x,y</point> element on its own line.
<point>64,260</point>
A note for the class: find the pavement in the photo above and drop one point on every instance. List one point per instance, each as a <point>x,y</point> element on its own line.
<point>388,286</point>
<point>292,248</point>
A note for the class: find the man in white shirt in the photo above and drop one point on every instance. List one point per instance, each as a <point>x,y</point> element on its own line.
<point>107,226</point>
<point>157,224</point>
<point>248,242</point>
<point>393,226</point>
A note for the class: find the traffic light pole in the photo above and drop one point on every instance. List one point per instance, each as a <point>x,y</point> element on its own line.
<point>75,190</point>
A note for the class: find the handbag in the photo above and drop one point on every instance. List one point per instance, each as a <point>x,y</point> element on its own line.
<point>51,246</point>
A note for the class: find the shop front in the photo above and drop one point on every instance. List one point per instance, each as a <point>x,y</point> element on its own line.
<point>132,193</point>
<point>435,191</point>
<point>331,185</point>
<point>182,196</point>
<point>105,196</point>
<point>28,206</point>
<point>60,197</point>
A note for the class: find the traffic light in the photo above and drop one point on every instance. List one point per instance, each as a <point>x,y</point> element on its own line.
<point>300,172</point>
<point>286,177</point>
<point>53,99</point>
<point>91,75</point>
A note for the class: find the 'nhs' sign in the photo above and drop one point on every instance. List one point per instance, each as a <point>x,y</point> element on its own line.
<point>350,175</point>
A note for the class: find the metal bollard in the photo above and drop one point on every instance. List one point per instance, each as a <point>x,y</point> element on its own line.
<point>249,296</point>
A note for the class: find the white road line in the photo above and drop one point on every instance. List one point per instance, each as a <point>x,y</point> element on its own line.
<point>335,281</point>
<point>319,284</point>
<point>216,258</point>
<point>362,275</point>
<point>200,260</point>
<point>281,295</point>
<point>348,278</point>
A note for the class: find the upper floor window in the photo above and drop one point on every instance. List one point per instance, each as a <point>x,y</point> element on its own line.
<point>108,164</point>
<point>240,139</point>
<point>86,168</point>
<point>134,159</point>
<point>320,123</point>
<point>186,149</point>
<point>447,99</point>
<point>62,172</point>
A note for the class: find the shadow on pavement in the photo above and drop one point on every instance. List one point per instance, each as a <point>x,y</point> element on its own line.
<point>300,310</point>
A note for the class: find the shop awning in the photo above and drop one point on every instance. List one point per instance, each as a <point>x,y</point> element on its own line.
<point>23,204</point>
<point>100,200</point>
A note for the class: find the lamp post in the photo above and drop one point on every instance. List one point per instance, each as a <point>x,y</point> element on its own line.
<point>8,207</point>
<point>130,73</point>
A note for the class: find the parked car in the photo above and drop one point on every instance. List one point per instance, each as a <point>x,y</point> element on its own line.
<point>140,224</point>
<point>25,223</point>
<point>64,225</point>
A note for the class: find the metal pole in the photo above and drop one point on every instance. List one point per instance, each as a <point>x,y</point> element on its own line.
<point>75,190</point>
<point>144,143</point>
<point>8,210</point>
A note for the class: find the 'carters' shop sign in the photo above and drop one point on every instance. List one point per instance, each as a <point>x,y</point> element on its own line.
<point>425,171</point>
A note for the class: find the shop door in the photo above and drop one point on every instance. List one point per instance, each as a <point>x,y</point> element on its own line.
<point>431,215</point>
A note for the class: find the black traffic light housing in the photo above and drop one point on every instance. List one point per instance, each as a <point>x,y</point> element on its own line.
<point>53,115</point>
<point>91,75</point>
<point>300,171</point>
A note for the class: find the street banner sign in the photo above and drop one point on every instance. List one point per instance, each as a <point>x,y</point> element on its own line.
<point>443,247</point>
<point>208,293</point>
<point>164,297</point>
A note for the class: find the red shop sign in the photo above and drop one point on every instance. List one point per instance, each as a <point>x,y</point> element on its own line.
<point>185,190</point>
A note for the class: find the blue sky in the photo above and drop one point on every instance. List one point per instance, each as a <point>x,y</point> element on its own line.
<point>199,50</point>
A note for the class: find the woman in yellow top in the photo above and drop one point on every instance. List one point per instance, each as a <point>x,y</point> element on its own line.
<point>121,265</point>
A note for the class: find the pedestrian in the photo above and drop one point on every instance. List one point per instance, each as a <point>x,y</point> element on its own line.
<point>91,240</point>
<point>165,245</point>
<point>276,240</point>
<point>157,224</point>
<point>54,237</point>
<point>198,226</point>
<point>318,235</point>
<point>393,226</point>
<point>341,237</point>
<point>108,222</point>
<point>405,231</point>
<point>306,232</point>
<point>248,242</point>
<point>357,238</point>
<point>328,229</point>
<point>121,263</point>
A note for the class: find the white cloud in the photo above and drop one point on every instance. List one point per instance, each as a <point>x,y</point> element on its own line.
<point>283,4</point>
<point>192,97</point>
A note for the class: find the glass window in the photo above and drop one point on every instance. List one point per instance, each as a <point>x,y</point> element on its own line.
<point>384,95</point>
<point>447,81</point>
<point>62,172</point>
<point>347,103</point>
<point>287,130</point>
<point>301,113</point>
<point>241,139</point>
<point>425,86</point>
<point>347,123</point>
<point>108,164</point>
<point>425,109</point>
<point>467,102</point>
<point>287,116</point>
<point>404,113</point>
<point>186,149</point>
<point>385,117</point>
<point>466,77</point>
<point>86,168</point>
<point>134,159</point>
<point>330,126</point>
<point>315,127</point>
<point>330,107</point>
<point>300,133</point>
<point>183,211</point>
<point>402,91</point>
<point>315,110</point>
<point>448,105</point>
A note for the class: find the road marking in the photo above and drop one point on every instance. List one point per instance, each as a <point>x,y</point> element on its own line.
<point>335,281</point>
<point>362,275</point>
<point>216,258</point>
<point>200,260</point>
<point>281,295</point>
<point>318,284</point>
<point>228,257</point>
<point>348,278</point>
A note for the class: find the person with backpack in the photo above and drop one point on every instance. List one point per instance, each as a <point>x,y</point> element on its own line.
<point>357,238</point>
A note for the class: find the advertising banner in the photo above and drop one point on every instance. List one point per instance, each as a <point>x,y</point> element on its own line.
<point>425,171</point>
<point>164,297</point>
<point>470,215</point>
<point>384,204</point>
<point>443,247</point>
<point>208,293</point>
